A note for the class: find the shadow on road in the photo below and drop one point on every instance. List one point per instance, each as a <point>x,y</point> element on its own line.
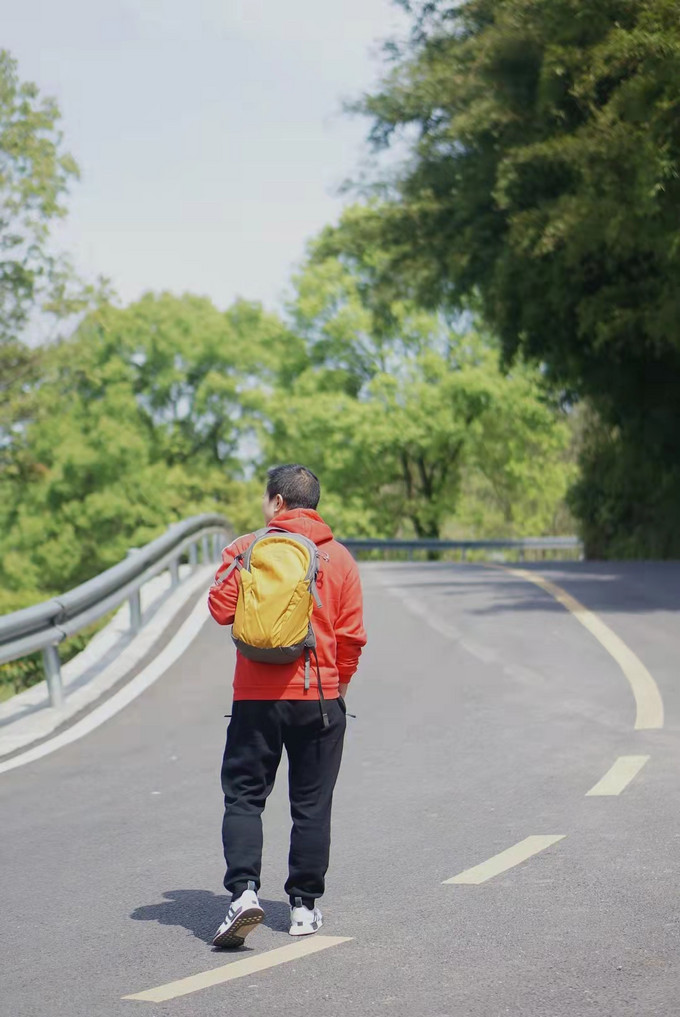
<point>615,587</point>
<point>201,911</point>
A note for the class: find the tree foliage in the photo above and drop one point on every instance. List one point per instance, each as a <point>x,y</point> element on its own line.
<point>35,174</point>
<point>545,177</point>
<point>142,417</point>
<point>396,431</point>
<point>163,408</point>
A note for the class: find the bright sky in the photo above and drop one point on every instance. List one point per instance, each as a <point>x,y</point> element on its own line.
<point>209,134</point>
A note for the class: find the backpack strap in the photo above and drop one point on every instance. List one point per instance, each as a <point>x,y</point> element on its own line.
<point>239,559</point>
<point>307,656</point>
<point>322,701</point>
<point>236,564</point>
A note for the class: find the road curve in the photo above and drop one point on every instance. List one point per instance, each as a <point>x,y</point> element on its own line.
<point>485,715</point>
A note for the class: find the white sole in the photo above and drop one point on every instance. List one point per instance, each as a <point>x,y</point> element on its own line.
<point>235,934</point>
<point>305,932</point>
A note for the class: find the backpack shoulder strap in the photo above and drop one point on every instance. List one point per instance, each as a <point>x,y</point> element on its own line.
<point>242,560</point>
<point>257,535</point>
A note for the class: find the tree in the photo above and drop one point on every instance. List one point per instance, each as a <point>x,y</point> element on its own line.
<point>197,373</point>
<point>545,177</point>
<point>396,433</point>
<point>398,460</point>
<point>34,176</point>
<point>353,326</point>
<point>142,417</point>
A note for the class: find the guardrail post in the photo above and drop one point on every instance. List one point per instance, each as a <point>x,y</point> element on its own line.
<point>135,606</point>
<point>216,547</point>
<point>52,666</point>
<point>205,549</point>
<point>135,603</point>
<point>193,554</point>
<point>174,573</point>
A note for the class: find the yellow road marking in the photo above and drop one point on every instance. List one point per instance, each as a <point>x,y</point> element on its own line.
<point>649,705</point>
<point>505,860</point>
<point>237,969</point>
<point>619,776</point>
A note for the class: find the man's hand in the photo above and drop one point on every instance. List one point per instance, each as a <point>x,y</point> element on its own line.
<point>342,688</point>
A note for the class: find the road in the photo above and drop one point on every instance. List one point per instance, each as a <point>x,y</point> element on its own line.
<point>486,712</point>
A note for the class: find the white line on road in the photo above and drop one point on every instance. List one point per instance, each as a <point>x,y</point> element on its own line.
<point>648,700</point>
<point>619,776</point>
<point>158,666</point>
<point>237,969</point>
<point>446,629</point>
<point>507,859</point>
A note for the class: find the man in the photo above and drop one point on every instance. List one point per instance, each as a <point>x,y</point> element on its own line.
<point>274,709</point>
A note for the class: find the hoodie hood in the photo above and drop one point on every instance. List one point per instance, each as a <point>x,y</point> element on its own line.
<point>308,522</point>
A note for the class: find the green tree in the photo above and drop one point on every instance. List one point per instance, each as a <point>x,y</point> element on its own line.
<point>34,177</point>
<point>144,416</point>
<point>35,174</point>
<point>197,373</point>
<point>402,459</point>
<point>353,326</point>
<point>397,432</point>
<point>544,176</point>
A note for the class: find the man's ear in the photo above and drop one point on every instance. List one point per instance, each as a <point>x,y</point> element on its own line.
<point>279,504</point>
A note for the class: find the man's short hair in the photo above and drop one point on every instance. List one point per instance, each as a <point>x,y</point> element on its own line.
<point>297,485</point>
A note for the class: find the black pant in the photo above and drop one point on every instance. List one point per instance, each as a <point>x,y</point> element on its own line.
<point>256,736</point>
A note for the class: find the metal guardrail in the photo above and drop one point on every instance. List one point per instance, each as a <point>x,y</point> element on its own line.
<point>44,626</point>
<point>463,546</point>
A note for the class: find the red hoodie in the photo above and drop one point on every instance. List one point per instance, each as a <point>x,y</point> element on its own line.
<point>338,624</point>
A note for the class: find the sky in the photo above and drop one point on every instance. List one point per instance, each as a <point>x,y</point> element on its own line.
<point>210,135</point>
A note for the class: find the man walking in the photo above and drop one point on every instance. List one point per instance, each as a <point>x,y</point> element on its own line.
<point>277,706</point>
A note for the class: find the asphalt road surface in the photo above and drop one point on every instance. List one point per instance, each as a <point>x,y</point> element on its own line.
<point>486,712</point>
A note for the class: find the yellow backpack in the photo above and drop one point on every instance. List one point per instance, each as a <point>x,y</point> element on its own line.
<point>277,593</point>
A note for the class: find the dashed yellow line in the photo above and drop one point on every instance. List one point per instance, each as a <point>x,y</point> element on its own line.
<point>507,859</point>
<point>239,968</point>
<point>649,705</point>
<point>619,776</point>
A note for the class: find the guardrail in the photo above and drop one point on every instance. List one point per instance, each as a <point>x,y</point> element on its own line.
<point>44,626</point>
<point>463,546</point>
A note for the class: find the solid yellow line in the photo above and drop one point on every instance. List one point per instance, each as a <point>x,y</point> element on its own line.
<point>619,776</point>
<point>237,969</point>
<point>649,705</point>
<point>505,860</point>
